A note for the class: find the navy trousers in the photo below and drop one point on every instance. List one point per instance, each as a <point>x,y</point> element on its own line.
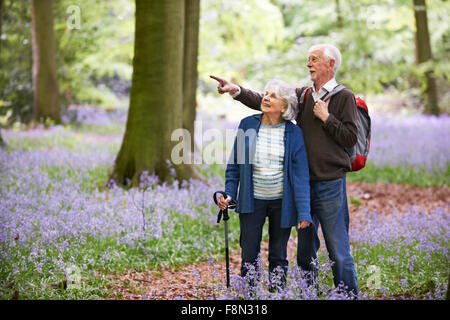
<point>251,225</point>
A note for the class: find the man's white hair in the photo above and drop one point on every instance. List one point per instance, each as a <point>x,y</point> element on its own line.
<point>287,93</point>
<point>329,52</point>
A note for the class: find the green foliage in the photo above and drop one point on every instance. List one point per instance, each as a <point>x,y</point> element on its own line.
<point>249,41</point>
<point>236,35</point>
<point>401,174</point>
<point>402,269</point>
<point>376,38</point>
<point>94,62</point>
<point>16,91</point>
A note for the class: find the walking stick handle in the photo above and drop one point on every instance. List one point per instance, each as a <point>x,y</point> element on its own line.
<point>223,214</point>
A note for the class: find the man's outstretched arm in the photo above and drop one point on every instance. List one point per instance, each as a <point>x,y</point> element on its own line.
<point>248,97</point>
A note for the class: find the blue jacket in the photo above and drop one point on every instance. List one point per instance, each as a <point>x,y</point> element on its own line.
<point>239,172</point>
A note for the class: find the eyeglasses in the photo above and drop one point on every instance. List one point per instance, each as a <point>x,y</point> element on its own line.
<point>313,59</point>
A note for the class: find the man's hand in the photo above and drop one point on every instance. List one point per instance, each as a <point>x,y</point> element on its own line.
<point>225,86</point>
<point>222,203</point>
<point>303,224</point>
<point>321,110</point>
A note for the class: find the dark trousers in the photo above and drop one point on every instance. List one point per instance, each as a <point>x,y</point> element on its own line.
<point>251,225</point>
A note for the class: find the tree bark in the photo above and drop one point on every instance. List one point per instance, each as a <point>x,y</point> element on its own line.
<point>339,20</point>
<point>190,73</point>
<point>156,98</point>
<point>423,54</point>
<point>2,142</point>
<point>1,22</point>
<point>45,84</point>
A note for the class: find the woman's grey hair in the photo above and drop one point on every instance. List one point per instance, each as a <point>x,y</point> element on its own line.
<point>329,52</point>
<point>287,93</point>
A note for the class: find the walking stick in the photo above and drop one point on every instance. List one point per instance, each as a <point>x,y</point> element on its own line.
<point>223,214</point>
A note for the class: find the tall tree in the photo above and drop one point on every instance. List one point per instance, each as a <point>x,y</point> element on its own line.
<point>2,142</point>
<point>190,74</point>
<point>423,54</point>
<point>1,22</point>
<point>339,20</point>
<point>45,84</point>
<point>156,98</point>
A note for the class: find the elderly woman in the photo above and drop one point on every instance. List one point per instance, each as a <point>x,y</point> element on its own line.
<point>269,167</point>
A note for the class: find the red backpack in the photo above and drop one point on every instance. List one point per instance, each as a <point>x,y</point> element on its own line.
<point>359,152</point>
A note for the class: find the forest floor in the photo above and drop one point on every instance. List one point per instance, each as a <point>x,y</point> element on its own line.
<point>200,280</point>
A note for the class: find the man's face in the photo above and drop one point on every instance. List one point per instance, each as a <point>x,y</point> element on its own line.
<point>320,69</point>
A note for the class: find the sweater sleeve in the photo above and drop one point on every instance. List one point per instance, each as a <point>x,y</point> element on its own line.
<point>250,98</point>
<point>253,99</point>
<point>344,131</point>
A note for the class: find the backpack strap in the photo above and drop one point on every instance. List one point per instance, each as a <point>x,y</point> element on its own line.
<point>304,96</point>
<point>305,92</point>
<point>301,103</point>
<point>336,90</point>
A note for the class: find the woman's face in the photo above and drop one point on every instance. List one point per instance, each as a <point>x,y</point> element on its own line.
<point>273,105</point>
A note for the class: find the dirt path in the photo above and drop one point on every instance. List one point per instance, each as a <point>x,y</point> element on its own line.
<point>199,281</point>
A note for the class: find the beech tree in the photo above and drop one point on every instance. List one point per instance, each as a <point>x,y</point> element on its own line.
<point>190,74</point>
<point>45,85</point>
<point>2,142</point>
<point>157,92</point>
<point>424,54</point>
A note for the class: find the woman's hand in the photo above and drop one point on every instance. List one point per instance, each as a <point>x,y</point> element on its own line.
<point>303,224</point>
<point>222,203</point>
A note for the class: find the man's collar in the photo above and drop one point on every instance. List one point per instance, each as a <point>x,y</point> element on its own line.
<point>329,86</point>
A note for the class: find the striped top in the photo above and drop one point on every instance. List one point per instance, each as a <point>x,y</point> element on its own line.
<point>268,164</point>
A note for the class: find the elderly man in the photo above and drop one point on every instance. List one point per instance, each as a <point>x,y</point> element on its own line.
<point>329,127</point>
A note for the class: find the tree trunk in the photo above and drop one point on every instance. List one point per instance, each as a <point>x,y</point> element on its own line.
<point>1,22</point>
<point>45,84</point>
<point>190,74</point>
<point>339,20</point>
<point>2,142</point>
<point>156,97</point>
<point>423,54</point>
